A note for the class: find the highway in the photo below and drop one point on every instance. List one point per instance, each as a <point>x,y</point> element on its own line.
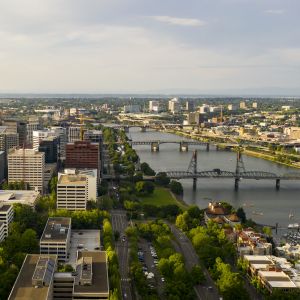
<point>119,223</point>
<point>208,290</point>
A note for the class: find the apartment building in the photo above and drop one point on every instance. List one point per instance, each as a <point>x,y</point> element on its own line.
<point>40,135</point>
<point>27,165</point>
<point>61,132</point>
<point>75,188</point>
<point>73,134</point>
<point>33,124</point>
<point>56,238</point>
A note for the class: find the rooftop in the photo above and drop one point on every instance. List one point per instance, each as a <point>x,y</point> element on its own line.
<point>72,179</point>
<point>5,207</point>
<point>98,262</point>
<point>26,152</point>
<point>56,229</point>
<point>18,196</point>
<point>83,240</point>
<point>23,288</point>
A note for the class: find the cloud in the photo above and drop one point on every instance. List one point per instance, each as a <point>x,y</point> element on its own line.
<point>180,21</point>
<point>275,11</point>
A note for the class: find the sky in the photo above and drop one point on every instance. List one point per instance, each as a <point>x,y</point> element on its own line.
<point>149,46</point>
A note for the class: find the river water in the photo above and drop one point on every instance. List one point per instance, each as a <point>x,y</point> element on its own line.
<point>259,198</point>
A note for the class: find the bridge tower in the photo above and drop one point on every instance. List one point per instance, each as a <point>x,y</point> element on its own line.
<point>240,167</point>
<point>193,168</point>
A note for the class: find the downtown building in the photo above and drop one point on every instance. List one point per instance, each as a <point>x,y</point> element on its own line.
<point>6,217</point>
<point>17,127</point>
<point>27,165</point>
<point>76,188</point>
<point>83,155</point>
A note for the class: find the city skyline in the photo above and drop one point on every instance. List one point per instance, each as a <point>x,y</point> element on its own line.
<point>130,46</point>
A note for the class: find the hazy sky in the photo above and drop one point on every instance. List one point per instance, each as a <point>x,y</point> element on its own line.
<point>148,45</point>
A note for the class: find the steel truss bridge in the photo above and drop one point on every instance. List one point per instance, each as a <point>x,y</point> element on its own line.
<point>159,142</point>
<point>240,173</point>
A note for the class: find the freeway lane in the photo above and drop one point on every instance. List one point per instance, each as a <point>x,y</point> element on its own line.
<point>119,223</point>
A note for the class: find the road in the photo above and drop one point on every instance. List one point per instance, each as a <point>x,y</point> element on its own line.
<point>119,223</point>
<point>208,290</point>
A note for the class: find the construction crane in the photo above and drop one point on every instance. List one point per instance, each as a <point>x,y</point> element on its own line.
<point>82,119</point>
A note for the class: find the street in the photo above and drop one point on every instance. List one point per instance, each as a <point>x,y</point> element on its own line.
<point>119,223</point>
<point>208,290</point>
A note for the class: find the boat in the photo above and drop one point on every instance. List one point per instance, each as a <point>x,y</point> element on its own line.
<point>293,226</point>
<point>291,215</point>
<point>257,213</point>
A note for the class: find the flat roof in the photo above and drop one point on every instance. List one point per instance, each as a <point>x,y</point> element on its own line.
<point>5,207</point>
<point>100,275</point>
<point>56,229</point>
<point>13,196</point>
<point>23,288</point>
<point>257,258</point>
<point>72,179</point>
<point>88,239</point>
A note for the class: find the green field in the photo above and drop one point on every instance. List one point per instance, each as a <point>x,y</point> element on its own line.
<point>162,197</point>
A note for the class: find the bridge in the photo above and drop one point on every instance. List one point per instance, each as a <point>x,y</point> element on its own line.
<point>240,173</point>
<point>183,145</point>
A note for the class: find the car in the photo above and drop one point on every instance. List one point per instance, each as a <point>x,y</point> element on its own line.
<point>163,279</point>
<point>123,238</point>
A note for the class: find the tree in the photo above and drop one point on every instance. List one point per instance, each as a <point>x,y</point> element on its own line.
<point>194,212</point>
<point>267,231</point>
<point>176,187</point>
<point>241,214</point>
<point>144,187</point>
<point>197,275</point>
<point>162,179</point>
<point>145,168</point>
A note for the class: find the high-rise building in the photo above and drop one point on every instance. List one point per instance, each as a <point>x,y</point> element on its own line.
<point>33,124</point>
<point>39,135</point>
<point>243,105</point>
<point>82,155</point>
<point>61,132</point>
<point>75,189</point>
<point>8,140</point>
<point>232,107</point>
<point>254,104</point>
<point>16,127</point>
<point>189,105</point>
<point>174,105</point>
<point>27,165</point>
<point>2,165</point>
<point>74,134</point>
<point>154,106</point>
<point>50,147</point>
<point>94,136</point>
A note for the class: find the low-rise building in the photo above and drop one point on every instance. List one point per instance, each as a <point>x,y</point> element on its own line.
<point>273,272</point>
<point>2,231</point>
<point>9,197</point>
<point>6,216</point>
<point>56,238</point>
<point>251,242</point>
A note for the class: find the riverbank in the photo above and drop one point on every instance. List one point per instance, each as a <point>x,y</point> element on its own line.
<point>245,151</point>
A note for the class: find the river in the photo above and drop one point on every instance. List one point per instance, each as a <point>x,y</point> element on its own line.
<point>259,198</point>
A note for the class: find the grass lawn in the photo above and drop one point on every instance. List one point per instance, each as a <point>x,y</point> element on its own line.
<point>162,197</point>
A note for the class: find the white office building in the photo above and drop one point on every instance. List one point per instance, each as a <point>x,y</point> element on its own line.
<point>6,216</point>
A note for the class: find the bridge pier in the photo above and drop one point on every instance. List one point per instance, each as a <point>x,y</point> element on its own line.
<point>194,184</point>
<point>207,147</point>
<point>155,147</point>
<point>183,147</point>
<point>126,129</point>
<point>277,184</point>
<point>236,183</point>
<point>143,128</point>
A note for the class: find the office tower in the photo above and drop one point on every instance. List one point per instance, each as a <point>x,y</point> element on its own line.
<point>33,124</point>
<point>75,189</point>
<point>6,216</point>
<point>61,132</point>
<point>8,140</point>
<point>74,134</point>
<point>27,165</point>
<point>2,165</point>
<point>94,136</point>
<point>82,155</point>
<point>232,107</point>
<point>189,105</point>
<point>50,147</point>
<point>243,105</point>
<point>39,135</point>
<point>16,127</point>
<point>174,105</point>
<point>154,106</point>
